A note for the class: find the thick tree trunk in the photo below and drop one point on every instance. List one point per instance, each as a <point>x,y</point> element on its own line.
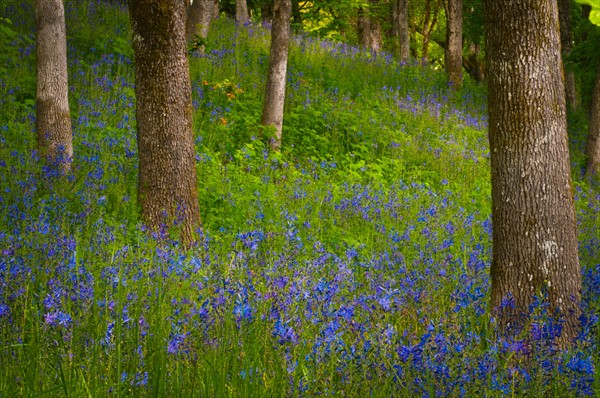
<point>53,119</point>
<point>566,41</point>
<point>167,186</point>
<point>241,11</point>
<point>275,89</point>
<point>369,29</point>
<point>400,29</point>
<point>593,141</point>
<point>199,15</point>
<point>534,234</point>
<point>453,53</point>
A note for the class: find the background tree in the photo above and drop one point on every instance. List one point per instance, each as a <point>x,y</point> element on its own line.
<point>453,50</point>
<point>272,114</point>
<point>167,186</point>
<point>429,22</point>
<point>400,29</point>
<point>369,28</point>
<point>53,118</point>
<point>593,142</point>
<point>241,11</point>
<point>534,234</point>
<point>199,16</point>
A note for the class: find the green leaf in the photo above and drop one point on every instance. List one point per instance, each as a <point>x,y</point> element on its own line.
<point>595,13</point>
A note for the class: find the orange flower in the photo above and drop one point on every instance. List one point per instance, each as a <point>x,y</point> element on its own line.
<point>223,121</point>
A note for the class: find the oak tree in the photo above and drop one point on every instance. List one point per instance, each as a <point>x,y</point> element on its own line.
<point>534,232</point>
<point>53,118</point>
<point>167,186</point>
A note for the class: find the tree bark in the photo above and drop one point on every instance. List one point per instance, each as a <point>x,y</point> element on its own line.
<point>53,118</point>
<point>167,186</point>
<point>453,53</point>
<point>199,15</point>
<point>241,11</point>
<point>275,88</point>
<point>400,29</point>
<point>215,9</point>
<point>369,29</point>
<point>593,141</point>
<point>534,234</point>
<point>566,41</point>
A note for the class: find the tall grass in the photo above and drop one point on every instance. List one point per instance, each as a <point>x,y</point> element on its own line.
<point>354,263</point>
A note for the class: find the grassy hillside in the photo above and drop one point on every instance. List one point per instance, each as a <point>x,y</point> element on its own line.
<point>354,263</point>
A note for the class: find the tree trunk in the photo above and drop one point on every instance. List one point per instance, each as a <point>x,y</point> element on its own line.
<point>593,141</point>
<point>400,29</point>
<point>53,118</point>
<point>241,11</point>
<point>199,15</point>
<point>275,89</point>
<point>215,9</point>
<point>534,234</point>
<point>566,41</point>
<point>167,186</point>
<point>429,23</point>
<point>453,53</point>
<point>296,14</point>
<point>369,29</point>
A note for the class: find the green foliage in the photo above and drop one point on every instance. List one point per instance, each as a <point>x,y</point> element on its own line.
<point>595,13</point>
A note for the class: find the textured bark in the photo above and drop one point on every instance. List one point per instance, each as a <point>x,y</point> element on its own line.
<point>429,23</point>
<point>400,29</point>
<point>215,10</point>
<point>275,89</point>
<point>369,29</point>
<point>53,119</point>
<point>167,187</point>
<point>199,15</point>
<point>241,11</point>
<point>593,141</point>
<point>566,41</point>
<point>534,234</point>
<point>453,53</point>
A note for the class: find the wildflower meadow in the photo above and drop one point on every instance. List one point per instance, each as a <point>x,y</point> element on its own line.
<point>354,263</point>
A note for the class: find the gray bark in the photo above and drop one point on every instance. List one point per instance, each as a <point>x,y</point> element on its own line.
<point>369,29</point>
<point>453,52</point>
<point>534,234</point>
<point>53,119</point>
<point>400,29</point>
<point>593,141</point>
<point>241,11</point>
<point>167,186</point>
<point>275,88</point>
<point>199,16</point>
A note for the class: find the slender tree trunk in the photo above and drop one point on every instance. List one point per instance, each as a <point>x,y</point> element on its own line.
<point>593,141</point>
<point>167,186</point>
<point>275,89</point>
<point>453,53</point>
<point>53,118</point>
<point>199,15</point>
<point>429,23</point>
<point>369,29</point>
<point>566,41</point>
<point>401,29</point>
<point>241,11</point>
<point>534,234</point>
<point>215,9</point>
